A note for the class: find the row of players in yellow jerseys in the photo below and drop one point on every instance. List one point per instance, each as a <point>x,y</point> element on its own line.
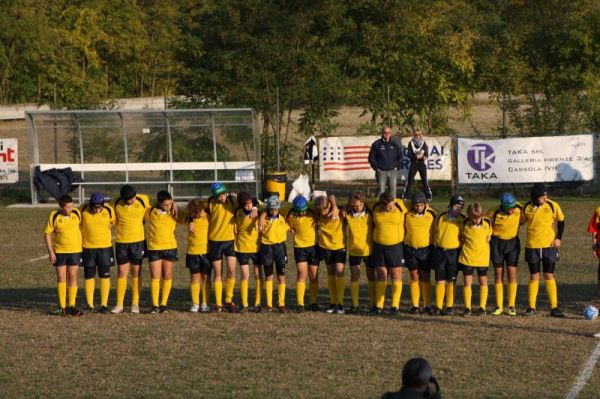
<point>385,239</point>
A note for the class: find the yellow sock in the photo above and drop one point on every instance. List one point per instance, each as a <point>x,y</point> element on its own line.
<point>512,294</point>
<point>440,291</point>
<point>467,296</point>
<point>450,294</point>
<point>499,290</point>
<point>313,288</point>
<point>281,294</point>
<point>396,293</point>
<point>204,295</point>
<point>257,292</point>
<point>90,286</point>
<point>354,291</point>
<point>104,291</point>
<point>135,290</point>
<point>483,296</point>
<point>552,292</point>
<point>425,287</point>
<point>415,293</point>
<point>340,288</point>
<point>533,287</point>
<point>166,290</point>
<point>300,289</point>
<point>244,292</point>
<point>218,292</point>
<point>269,292</point>
<point>229,287</point>
<point>331,285</point>
<point>154,290</point>
<point>195,293</point>
<point>72,293</point>
<point>121,288</point>
<point>380,287</point>
<point>61,289</point>
<point>371,285</point>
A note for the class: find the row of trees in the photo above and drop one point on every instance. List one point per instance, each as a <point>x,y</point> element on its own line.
<point>405,62</point>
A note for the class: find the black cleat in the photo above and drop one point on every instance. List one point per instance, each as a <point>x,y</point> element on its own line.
<point>257,309</point>
<point>299,309</point>
<point>89,309</point>
<point>448,312</point>
<point>163,309</point>
<point>467,312</point>
<point>243,309</point>
<point>437,312</point>
<point>282,309</point>
<point>315,307</point>
<point>104,310</point>
<point>530,312</point>
<point>73,311</point>
<point>376,311</point>
<point>217,309</point>
<point>331,309</point>
<point>481,312</point>
<point>354,310</point>
<point>155,310</point>
<point>395,311</point>
<point>231,307</point>
<point>556,312</point>
<point>415,310</point>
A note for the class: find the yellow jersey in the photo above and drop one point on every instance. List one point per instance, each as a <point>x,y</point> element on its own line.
<point>448,231</point>
<point>161,233</point>
<point>130,219</point>
<point>274,231</point>
<point>388,227</point>
<point>332,235</point>
<point>540,223</point>
<point>475,251</point>
<point>419,228</point>
<point>304,228</point>
<point>247,238</point>
<point>360,232</point>
<point>197,241</point>
<point>506,226</point>
<point>96,227</point>
<point>220,218</point>
<point>67,235</point>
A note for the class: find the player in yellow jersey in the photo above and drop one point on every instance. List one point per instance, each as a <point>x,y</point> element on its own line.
<point>273,234</point>
<point>302,224</point>
<point>475,255</point>
<point>221,237</point>
<point>505,247</point>
<point>388,249</point>
<point>594,229</point>
<point>97,219</point>
<point>332,250</point>
<point>130,247</point>
<point>444,257</point>
<point>359,220</point>
<point>196,258</point>
<point>162,249</point>
<point>246,246</point>
<point>65,253</point>
<point>541,248</point>
<point>418,246</point>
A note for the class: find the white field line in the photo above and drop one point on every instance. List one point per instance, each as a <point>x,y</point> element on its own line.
<point>585,374</point>
<point>36,259</point>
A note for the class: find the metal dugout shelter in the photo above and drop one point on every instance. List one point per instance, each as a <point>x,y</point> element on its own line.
<point>182,151</point>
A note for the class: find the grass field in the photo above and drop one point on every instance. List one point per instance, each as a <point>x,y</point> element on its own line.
<point>293,355</point>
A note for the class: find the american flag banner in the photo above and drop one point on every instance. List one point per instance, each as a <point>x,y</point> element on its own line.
<point>345,158</point>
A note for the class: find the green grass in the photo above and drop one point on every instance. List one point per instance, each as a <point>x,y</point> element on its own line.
<point>293,355</point>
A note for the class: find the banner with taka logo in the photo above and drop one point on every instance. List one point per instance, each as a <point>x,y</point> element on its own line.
<point>346,158</point>
<point>526,160</point>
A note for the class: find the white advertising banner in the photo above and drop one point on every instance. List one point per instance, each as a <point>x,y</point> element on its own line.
<point>9,160</point>
<point>526,160</point>
<point>345,158</point>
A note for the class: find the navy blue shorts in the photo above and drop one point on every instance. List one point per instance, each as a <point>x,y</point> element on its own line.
<point>387,255</point>
<point>546,256</point>
<point>275,253</point>
<point>418,258</point>
<point>216,249</point>
<point>307,254</point>
<point>72,259</point>
<point>470,270</point>
<point>444,262</point>
<point>102,257</point>
<point>331,256</point>
<point>163,254</point>
<point>198,264</point>
<point>245,258</point>
<point>505,251</point>
<point>357,260</point>
<point>132,252</point>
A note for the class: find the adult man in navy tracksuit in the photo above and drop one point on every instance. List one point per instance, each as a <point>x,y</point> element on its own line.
<point>384,158</point>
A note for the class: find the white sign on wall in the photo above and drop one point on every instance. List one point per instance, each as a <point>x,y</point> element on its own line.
<point>346,158</point>
<point>9,160</point>
<point>526,160</point>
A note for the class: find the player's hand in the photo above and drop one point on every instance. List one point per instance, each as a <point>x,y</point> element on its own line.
<point>262,221</point>
<point>254,212</point>
<point>556,243</point>
<point>174,210</point>
<point>52,257</point>
<point>335,213</point>
<point>191,227</point>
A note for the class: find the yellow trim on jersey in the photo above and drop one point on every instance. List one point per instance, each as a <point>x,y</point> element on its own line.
<point>448,232</point>
<point>360,233</point>
<point>130,219</point>
<point>274,231</point>
<point>388,227</point>
<point>96,227</point>
<point>475,251</point>
<point>220,217</point>
<point>505,226</point>
<point>332,235</point>
<point>540,223</point>
<point>67,235</point>
<point>161,232</point>
<point>303,227</point>
<point>419,228</point>
<point>247,238</point>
